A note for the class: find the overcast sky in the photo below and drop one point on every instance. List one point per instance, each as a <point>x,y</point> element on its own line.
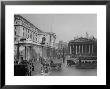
<point>65,26</point>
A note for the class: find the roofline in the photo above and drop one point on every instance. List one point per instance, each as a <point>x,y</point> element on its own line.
<point>84,38</point>
<point>28,22</point>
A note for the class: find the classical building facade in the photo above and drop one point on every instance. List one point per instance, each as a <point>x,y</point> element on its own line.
<point>25,29</point>
<point>83,47</point>
<point>28,39</point>
<point>50,36</point>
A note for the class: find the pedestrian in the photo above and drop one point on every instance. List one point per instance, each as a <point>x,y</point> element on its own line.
<point>42,72</point>
<point>46,69</point>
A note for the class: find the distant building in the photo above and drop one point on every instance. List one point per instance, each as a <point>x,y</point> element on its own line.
<point>83,46</point>
<point>84,49</point>
<point>83,52</point>
<point>51,37</point>
<point>61,49</point>
<point>61,45</point>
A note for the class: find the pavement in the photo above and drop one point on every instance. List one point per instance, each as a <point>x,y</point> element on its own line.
<point>69,71</point>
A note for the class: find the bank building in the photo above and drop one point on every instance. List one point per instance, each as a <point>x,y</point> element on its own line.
<point>30,42</point>
<point>83,51</point>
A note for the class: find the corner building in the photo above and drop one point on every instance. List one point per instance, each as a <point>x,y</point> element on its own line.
<point>27,40</point>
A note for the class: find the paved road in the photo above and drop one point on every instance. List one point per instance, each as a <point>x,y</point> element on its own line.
<point>72,71</point>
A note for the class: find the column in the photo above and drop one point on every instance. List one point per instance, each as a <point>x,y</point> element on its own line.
<point>92,48</point>
<point>79,49</point>
<point>73,51</point>
<point>89,49</point>
<point>30,52</point>
<point>76,49</point>
<point>82,48</point>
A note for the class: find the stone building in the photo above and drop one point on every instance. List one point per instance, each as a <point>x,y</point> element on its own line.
<point>28,39</point>
<point>83,47</point>
<point>61,49</point>
<point>48,47</point>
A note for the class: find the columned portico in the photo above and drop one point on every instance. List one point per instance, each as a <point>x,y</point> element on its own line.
<point>84,51</point>
<point>83,46</point>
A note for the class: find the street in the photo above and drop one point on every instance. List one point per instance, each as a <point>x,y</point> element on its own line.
<point>72,71</point>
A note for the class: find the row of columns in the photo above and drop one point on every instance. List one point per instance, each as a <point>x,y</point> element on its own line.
<point>82,48</point>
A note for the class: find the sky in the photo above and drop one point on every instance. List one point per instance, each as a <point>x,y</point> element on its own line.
<point>65,26</point>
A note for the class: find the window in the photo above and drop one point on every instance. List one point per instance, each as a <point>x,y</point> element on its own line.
<point>15,32</point>
<point>28,35</point>
<point>36,39</point>
<point>31,35</point>
<point>14,39</point>
<point>15,27</point>
<point>23,32</point>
